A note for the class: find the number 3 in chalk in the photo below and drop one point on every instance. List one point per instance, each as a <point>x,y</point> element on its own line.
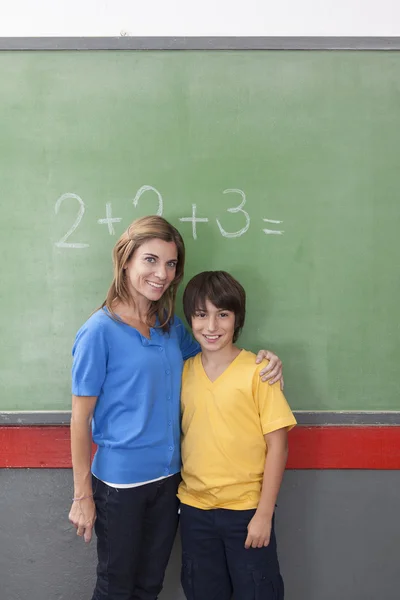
<point>235,210</point>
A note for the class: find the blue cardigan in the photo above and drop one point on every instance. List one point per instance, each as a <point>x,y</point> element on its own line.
<point>136,422</point>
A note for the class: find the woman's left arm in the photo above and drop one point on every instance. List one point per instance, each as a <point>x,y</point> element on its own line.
<point>188,345</point>
<point>273,371</point>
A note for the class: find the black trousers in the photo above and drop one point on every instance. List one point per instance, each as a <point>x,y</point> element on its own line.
<point>135,529</point>
<point>215,562</point>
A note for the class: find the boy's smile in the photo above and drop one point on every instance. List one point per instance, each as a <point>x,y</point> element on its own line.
<point>213,327</point>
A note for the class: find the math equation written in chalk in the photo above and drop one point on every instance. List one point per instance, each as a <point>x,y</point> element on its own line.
<point>238,199</point>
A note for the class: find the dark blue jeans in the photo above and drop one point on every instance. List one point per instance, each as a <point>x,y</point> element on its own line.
<point>135,529</point>
<point>215,562</point>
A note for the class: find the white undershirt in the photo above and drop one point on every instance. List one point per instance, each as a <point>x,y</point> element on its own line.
<point>133,485</point>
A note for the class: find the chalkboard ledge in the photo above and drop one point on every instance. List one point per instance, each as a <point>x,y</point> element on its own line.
<point>51,418</point>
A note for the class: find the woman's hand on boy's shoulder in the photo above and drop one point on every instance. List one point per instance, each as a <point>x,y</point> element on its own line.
<point>273,371</point>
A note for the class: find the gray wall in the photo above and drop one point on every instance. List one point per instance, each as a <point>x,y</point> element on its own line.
<point>338,535</point>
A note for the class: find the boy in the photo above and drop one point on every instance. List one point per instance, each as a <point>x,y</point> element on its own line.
<point>234,451</point>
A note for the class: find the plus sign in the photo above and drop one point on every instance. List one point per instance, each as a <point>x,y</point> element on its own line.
<point>109,220</point>
<point>194,220</point>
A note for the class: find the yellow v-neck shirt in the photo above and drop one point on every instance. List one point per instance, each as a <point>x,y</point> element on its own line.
<point>223,424</point>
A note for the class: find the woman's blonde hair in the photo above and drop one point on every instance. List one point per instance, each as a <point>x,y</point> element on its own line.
<point>139,232</point>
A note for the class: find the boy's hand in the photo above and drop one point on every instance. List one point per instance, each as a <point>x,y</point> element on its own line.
<point>273,371</point>
<point>258,532</point>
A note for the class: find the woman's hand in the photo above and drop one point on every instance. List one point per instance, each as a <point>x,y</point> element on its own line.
<point>82,516</point>
<point>258,532</point>
<point>273,371</point>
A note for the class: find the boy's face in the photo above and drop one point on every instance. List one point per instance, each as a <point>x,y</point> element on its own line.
<point>213,327</point>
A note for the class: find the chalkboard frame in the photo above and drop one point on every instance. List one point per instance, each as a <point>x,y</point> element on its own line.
<point>200,43</point>
<point>304,417</point>
<point>30,418</point>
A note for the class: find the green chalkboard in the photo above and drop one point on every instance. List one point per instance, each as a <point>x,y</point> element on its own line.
<point>290,161</point>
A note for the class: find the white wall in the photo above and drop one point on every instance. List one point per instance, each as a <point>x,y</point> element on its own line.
<point>204,17</point>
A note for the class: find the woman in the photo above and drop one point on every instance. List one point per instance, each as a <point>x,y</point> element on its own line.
<point>126,377</point>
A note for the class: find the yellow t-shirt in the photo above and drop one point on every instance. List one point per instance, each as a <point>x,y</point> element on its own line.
<point>223,424</point>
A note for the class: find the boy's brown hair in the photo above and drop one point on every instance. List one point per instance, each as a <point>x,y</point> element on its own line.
<point>222,290</point>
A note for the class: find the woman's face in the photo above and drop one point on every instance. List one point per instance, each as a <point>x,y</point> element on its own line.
<point>151,269</point>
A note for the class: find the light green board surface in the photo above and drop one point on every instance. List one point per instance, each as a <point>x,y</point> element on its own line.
<point>311,140</point>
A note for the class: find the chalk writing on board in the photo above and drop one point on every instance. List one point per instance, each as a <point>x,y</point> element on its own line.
<point>194,220</point>
<point>273,231</point>
<point>235,210</point>
<point>109,220</point>
<point>147,188</point>
<point>62,243</point>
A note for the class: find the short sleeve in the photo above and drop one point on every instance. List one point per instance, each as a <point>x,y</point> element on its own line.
<point>273,408</point>
<point>89,365</point>
<point>188,345</point>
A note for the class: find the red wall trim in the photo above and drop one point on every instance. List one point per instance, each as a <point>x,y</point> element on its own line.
<point>328,447</point>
